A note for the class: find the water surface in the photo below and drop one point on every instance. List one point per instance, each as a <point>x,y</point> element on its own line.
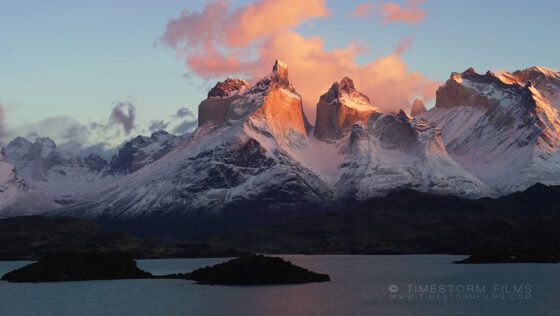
<point>360,286</point>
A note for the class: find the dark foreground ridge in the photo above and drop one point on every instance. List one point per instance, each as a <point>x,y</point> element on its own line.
<point>78,266</point>
<point>256,270</point>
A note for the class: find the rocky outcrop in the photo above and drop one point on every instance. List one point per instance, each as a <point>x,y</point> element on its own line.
<point>228,88</point>
<point>95,163</point>
<point>417,108</point>
<point>339,109</point>
<point>215,108</point>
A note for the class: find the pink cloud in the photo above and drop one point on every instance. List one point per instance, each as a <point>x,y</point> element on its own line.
<point>217,50</point>
<point>410,12</point>
<point>364,9</point>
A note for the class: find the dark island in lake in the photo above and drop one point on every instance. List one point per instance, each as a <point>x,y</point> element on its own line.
<point>255,270</point>
<point>78,266</point>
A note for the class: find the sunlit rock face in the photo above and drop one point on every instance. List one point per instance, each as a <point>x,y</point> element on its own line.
<point>546,81</point>
<point>417,108</point>
<point>281,112</point>
<point>215,108</point>
<point>458,90</point>
<point>339,109</point>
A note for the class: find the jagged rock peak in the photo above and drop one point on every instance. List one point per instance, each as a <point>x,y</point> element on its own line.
<point>469,71</point>
<point>344,87</point>
<point>417,108</point>
<point>280,68</point>
<point>403,116</point>
<point>227,88</point>
<point>278,79</point>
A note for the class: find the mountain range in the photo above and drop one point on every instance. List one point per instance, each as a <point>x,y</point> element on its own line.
<point>255,158</point>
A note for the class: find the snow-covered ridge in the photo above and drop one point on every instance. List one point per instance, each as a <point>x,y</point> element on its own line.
<point>59,176</point>
<point>16,197</point>
<point>501,128</point>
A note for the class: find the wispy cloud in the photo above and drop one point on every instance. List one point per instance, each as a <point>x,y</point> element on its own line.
<point>409,12</point>
<point>158,125</point>
<point>119,117</point>
<point>185,127</point>
<point>184,112</point>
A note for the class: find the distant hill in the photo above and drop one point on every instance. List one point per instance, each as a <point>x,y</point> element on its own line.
<point>31,237</point>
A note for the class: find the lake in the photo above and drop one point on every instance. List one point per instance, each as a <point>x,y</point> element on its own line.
<point>361,285</point>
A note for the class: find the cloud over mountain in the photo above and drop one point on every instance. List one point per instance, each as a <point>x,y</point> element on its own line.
<point>221,41</point>
<point>119,117</point>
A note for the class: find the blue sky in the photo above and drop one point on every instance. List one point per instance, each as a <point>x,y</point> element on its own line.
<point>79,58</point>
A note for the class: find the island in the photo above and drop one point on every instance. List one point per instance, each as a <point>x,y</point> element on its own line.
<point>85,266</point>
<point>255,270</point>
<point>78,266</point>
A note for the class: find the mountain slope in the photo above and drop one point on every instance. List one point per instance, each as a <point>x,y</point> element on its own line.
<point>16,197</point>
<point>55,173</point>
<point>506,134</point>
<point>394,151</point>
